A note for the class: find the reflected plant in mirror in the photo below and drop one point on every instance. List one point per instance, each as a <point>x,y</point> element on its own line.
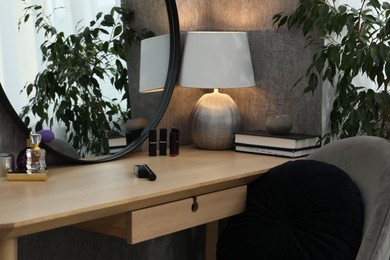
<point>68,90</point>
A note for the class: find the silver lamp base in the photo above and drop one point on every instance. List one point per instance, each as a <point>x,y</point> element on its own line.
<point>213,121</point>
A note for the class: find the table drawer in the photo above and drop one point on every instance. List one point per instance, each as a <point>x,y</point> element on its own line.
<point>167,218</point>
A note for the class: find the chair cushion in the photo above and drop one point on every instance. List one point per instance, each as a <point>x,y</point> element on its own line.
<point>302,209</point>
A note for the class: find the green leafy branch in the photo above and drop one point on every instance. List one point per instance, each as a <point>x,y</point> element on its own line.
<point>352,42</point>
<point>75,64</point>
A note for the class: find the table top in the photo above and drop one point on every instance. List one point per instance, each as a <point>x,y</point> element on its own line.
<point>78,193</point>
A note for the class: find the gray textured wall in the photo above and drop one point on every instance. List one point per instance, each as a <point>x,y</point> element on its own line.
<point>74,244</point>
<point>279,58</point>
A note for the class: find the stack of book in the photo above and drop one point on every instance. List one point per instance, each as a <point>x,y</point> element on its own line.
<point>292,145</point>
<point>116,144</point>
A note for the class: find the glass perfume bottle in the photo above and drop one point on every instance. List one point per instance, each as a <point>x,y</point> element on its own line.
<point>36,156</point>
<point>21,159</point>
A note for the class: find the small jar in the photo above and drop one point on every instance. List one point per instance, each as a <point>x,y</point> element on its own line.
<point>278,124</point>
<point>6,163</point>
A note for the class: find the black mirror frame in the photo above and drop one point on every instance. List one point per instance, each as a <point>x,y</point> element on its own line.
<point>173,70</point>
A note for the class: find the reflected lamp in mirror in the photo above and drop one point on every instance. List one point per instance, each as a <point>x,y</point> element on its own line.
<point>216,60</point>
<point>154,63</point>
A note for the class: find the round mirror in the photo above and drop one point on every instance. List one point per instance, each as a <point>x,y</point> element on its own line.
<point>146,109</point>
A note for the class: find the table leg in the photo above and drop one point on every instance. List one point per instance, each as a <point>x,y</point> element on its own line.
<point>211,240</point>
<point>9,249</point>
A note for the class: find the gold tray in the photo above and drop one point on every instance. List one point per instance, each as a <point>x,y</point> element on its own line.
<point>28,177</point>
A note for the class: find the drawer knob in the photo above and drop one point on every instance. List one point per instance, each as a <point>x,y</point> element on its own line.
<point>195,205</point>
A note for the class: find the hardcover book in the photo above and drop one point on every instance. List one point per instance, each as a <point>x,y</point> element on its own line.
<point>265,139</point>
<point>291,153</point>
<point>117,142</point>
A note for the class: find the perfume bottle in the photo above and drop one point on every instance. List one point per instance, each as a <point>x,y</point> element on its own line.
<point>21,159</point>
<point>36,156</point>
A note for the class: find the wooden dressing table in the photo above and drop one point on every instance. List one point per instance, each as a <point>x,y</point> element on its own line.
<point>197,187</point>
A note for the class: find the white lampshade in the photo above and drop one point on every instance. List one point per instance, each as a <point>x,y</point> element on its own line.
<point>154,63</point>
<point>216,60</point>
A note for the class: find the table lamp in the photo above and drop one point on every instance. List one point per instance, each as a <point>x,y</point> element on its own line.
<point>154,61</point>
<point>215,60</point>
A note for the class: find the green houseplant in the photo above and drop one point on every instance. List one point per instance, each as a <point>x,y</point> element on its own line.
<point>352,42</point>
<point>70,87</point>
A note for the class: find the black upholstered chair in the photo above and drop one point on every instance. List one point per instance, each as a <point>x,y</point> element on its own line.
<point>332,205</point>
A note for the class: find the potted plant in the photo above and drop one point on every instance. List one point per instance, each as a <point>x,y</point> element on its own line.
<point>352,42</point>
<point>68,90</point>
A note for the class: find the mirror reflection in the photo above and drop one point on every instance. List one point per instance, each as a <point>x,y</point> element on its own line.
<point>86,90</point>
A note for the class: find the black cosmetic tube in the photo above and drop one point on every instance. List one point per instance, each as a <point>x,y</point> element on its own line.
<point>163,141</point>
<point>177,131</point>
<point>152,142</point>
